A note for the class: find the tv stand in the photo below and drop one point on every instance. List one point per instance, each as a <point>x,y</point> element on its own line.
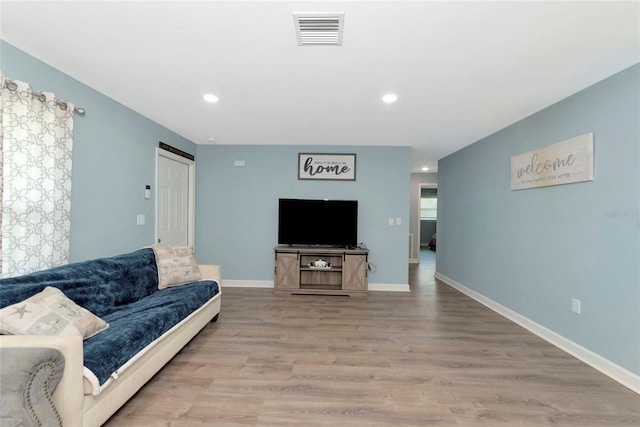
<point>346,274</point>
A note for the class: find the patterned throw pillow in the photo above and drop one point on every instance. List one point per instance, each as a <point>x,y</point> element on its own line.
<point>176,265</point>
<point>49,312</point>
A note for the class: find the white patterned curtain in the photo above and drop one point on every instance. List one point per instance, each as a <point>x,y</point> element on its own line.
<point>36,144</point>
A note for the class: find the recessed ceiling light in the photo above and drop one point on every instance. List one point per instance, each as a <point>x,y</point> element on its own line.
<point>211,140</point>
<point>390,98</point>
<point>210,97</point>
<point>425,168</point>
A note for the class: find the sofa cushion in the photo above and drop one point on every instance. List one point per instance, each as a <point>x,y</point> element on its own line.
<point>176,265</point>
<point>49,312</point>
<point>136,325</point>
<point>100,285</point>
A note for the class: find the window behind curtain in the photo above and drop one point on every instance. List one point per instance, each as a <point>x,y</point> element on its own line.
<point>37,140</point>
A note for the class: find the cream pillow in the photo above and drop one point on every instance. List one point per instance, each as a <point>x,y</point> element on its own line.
<point>49,312</point>
<point>176,265</point>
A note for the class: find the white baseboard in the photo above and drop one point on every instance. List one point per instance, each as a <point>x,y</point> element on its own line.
<point>228,283</point>
<point>389,287</point>
<point>386,287</point>
<point>612,370</point>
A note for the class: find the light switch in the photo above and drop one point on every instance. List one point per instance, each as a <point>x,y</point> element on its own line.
<point>140,220</point>
<point>390,220</point>
<point>398,220</point>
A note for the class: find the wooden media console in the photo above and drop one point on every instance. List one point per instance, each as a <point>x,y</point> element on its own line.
<point>345,274</point>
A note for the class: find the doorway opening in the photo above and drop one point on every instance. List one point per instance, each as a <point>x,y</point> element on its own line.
<point>428,223</point>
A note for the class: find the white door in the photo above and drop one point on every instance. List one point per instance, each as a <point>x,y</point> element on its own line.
<point>173,202</point>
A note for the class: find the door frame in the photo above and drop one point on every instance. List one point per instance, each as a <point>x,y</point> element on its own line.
<point>191,218</point>
<point>420,187</point>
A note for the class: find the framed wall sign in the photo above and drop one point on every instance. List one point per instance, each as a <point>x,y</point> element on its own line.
<point>327,166</point>
<point>564,162</point>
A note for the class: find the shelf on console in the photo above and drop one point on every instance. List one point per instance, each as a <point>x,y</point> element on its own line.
<point>320,287</point>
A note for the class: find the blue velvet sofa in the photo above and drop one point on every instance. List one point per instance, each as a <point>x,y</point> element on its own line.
<point>147,327</point>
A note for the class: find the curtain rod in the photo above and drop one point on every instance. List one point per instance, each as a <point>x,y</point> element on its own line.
<point>13,86</point>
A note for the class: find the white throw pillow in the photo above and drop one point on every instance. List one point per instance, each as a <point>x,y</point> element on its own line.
<point>49,312</point>
<point>176,265</point>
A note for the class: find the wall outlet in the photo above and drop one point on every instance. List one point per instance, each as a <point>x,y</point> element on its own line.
<point>140,219</point>
<point>390,220</point>
<point>575,305</point>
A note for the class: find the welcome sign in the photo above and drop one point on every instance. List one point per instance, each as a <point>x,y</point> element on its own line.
<point>564,162</point>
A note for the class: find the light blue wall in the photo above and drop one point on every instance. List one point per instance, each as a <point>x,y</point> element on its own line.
<point>533,250</point>
<point>113,160</point>
<point>236,224</point>
<point>237,207</point>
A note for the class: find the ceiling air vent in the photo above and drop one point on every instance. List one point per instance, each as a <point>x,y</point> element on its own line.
<point>319,28</point>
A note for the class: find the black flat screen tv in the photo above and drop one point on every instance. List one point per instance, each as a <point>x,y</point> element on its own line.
<point>318,222</point>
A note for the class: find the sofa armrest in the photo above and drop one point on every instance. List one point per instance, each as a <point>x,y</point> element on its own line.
<point>69,395</point>
<point>210,272</point>
<point>28,378</point>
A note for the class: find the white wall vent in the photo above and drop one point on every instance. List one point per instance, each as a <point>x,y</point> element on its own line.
<point>319,28</point>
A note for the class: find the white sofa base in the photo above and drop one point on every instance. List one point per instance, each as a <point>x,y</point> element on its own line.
<point>79,410</point>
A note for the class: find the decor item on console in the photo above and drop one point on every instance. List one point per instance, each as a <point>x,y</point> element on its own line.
<point>319,263</point>
<point>149,323</point>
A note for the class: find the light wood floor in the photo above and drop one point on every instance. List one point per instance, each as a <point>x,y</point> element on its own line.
<point>429,357</point>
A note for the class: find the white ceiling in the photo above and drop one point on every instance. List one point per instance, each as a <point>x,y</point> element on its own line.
<point>461,70</point>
